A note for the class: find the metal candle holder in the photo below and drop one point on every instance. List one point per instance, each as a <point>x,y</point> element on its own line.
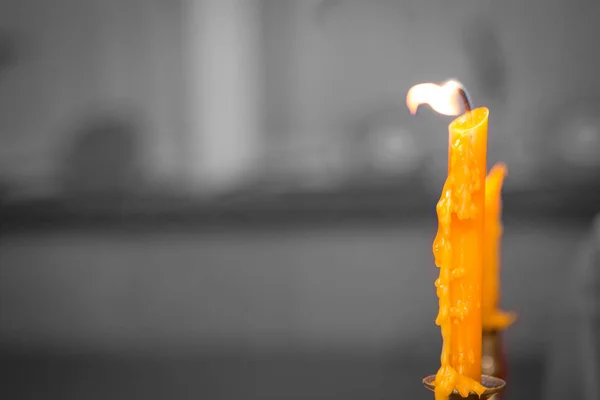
<point>492,384</point>
<point>493,361</point>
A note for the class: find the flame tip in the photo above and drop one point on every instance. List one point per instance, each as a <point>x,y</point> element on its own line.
<point>443,99</point>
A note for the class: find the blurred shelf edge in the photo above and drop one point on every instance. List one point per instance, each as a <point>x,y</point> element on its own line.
<point>250,208</point>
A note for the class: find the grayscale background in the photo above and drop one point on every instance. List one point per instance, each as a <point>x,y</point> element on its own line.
<point>228,199</point>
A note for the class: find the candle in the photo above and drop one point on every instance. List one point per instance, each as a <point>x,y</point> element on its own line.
<point>459,243</point>
<point>492,318</point>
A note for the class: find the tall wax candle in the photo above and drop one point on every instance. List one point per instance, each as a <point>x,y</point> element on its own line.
<point>492,318</point>
<point>458,251</point>
<point>459,244</point>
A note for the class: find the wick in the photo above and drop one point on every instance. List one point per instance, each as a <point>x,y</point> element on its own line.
<point>466,99</point>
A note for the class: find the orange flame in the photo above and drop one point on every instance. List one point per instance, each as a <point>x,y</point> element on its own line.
<point>444,99</point>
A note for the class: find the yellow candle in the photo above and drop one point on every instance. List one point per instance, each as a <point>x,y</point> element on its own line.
<point>458,250</point>
<point>459,244</point>
<point>492,318</point>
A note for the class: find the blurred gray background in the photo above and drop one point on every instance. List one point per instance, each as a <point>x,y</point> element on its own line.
<point>228,199</point>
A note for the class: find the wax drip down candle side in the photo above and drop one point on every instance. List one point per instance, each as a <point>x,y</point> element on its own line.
<point>459,243</point>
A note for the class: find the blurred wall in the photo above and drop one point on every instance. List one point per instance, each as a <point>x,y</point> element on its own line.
<point>78,58</point>
<point>334,62</point>
<point>326,64</point>
<point>190,87</point>
<point>362,289</point>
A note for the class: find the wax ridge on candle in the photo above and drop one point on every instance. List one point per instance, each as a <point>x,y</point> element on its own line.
<point>493,319</point>
<point>456,199</point>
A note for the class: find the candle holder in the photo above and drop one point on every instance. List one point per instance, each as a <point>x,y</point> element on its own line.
<point>493,361</point>
<point>492,384</point>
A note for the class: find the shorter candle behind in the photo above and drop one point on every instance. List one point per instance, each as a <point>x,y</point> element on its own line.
<point>492,318</point>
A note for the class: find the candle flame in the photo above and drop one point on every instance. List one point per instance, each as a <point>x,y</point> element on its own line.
<point>443,99</point>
